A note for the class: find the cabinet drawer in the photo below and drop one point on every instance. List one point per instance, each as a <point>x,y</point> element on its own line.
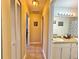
<point>61,45</point>
<point>56,45</point>
<point>74,45</point>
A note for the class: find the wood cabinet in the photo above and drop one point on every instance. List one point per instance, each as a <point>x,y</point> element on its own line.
<point>64,51</point>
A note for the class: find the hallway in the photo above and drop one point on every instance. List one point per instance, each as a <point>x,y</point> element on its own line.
<point>38,29</point>
<point>17,16</point>
<point>34,52</point>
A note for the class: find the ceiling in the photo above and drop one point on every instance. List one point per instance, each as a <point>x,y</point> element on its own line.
<point>66,3</point>
<point>36,9</point>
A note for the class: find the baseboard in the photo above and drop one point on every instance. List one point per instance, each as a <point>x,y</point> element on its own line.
<point>35,43</point>
<point>44,54</point>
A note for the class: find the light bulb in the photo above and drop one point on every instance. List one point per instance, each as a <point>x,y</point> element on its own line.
<point>35,3</point>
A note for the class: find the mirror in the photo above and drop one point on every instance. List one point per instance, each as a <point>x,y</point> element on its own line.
<point>65,25</point>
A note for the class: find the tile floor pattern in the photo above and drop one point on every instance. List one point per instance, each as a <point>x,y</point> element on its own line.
<point>34,52</point>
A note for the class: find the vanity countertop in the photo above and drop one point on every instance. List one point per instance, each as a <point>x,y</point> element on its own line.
<point>63,40</point>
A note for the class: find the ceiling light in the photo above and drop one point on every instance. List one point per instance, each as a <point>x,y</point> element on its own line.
<point>35,3</point>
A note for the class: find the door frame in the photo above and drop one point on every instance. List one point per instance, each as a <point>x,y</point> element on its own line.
<point>13,30</point>
<point>18,32</point>
<point>28,30</point>
<point>42,32</point>
<point>14,24</point>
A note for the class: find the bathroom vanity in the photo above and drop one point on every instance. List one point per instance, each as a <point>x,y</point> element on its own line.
<point>62,23</point>
<point>64,48</point>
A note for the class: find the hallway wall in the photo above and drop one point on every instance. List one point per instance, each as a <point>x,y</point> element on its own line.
<point>6,30</point>
<point>35,31</point>
<point>45,32</point>
<point>24,11</point>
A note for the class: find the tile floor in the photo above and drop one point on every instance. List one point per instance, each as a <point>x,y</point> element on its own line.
<point>34,52</point>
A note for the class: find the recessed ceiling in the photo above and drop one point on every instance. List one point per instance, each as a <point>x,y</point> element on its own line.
<point>39,8</point>
<point>66,3</point>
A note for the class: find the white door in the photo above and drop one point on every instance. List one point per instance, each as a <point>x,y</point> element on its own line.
<point>13,30</point>
<point>18,31</point>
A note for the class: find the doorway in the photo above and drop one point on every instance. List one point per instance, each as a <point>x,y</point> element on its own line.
<point>27,31</point>
<point>15,30</point>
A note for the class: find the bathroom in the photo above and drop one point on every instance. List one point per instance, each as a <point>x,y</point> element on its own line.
<point>65,22</point>
<point>63,39</point>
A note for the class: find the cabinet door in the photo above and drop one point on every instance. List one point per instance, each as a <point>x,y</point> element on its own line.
<point>66,51</point>
<point>56,52</point>
<point>74,51</point>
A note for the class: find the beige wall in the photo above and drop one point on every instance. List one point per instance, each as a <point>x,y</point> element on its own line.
<point>24,11</point>
<point>45,31</point>
<point>6,29</point>
<point>35,31</point>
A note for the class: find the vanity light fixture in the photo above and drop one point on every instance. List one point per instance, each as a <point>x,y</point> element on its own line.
<point>35,3</point>
<point>65,14</point>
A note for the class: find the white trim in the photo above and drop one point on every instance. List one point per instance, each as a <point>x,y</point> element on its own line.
<point>18,2</point>
<point>28,30</point>
<point>44,54</point>
<point>24,56</point>
<point>35,43</point>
